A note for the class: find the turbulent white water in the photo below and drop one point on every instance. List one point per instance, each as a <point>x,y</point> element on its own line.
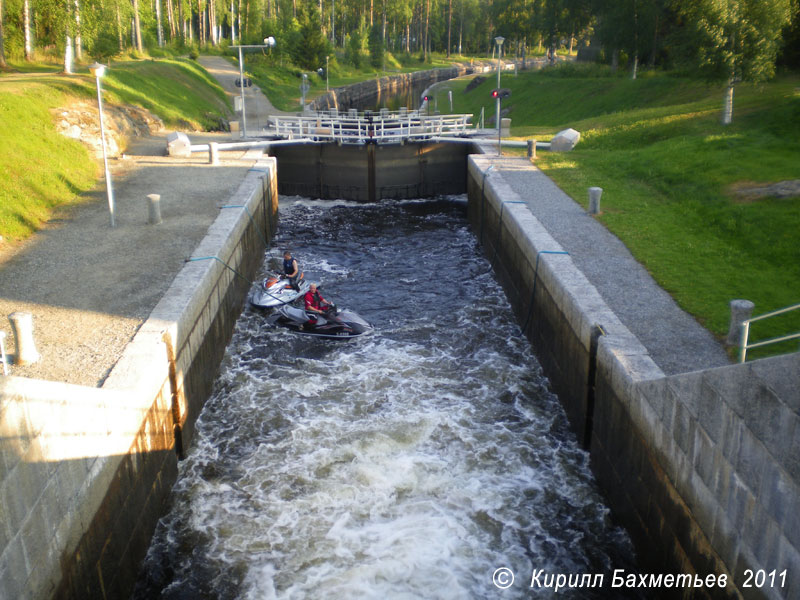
<point>412,463</point>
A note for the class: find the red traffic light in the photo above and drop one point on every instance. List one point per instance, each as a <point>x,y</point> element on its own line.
<point>501,93</point>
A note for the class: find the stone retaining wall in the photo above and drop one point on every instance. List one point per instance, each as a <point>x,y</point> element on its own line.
<point>703,468</point>
<point>85,472</point>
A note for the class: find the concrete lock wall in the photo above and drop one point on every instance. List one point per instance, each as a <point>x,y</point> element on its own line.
<point>372,172</point>
<point>85,472</point>
<point>701,468</point>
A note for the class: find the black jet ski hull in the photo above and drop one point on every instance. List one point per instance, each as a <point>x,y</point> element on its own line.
<point>342,325</point>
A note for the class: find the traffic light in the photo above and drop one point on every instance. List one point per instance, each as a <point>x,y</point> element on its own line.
<point>501,93</point>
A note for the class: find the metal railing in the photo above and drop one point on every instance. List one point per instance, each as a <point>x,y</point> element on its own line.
<point>3,352</point>
<point>744,347</point>
<point>360,128</point>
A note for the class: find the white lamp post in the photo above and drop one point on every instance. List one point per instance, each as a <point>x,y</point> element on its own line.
<point>98,71</point>
<point>268,43</point>
<point>499,40</point>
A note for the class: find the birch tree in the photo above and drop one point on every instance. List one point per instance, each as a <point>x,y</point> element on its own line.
<point>735,40</point>
<point>3,64</point>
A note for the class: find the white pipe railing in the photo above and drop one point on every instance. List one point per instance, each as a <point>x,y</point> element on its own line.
<point>744,347</point>
<point>379,127</point>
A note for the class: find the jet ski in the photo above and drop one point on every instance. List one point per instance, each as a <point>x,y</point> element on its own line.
<point>276,291</point>
<point>335,323</point>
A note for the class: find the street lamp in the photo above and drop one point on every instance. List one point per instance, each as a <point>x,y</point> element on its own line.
<point>304,87</point>
<point>326,73</point>
<point>98,71</point>
<point>499,40</point>
<point>268,43</point>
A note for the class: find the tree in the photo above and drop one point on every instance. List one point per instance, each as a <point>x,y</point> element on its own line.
<point>375,46</point>
<point>353,51</point>
<point>3,64</point>
<point>309,46</point>
<point>734,40</point>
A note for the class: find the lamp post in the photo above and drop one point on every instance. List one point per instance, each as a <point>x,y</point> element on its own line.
<point>327,89</point>
<point>268,43</point>
<point>499,40</point>
<point>304,87</point>
<point>98,71</point>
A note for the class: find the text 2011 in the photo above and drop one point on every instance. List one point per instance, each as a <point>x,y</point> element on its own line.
<point>762,578</point>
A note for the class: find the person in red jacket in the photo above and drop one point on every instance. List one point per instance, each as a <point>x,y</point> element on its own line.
<point>315,303</point>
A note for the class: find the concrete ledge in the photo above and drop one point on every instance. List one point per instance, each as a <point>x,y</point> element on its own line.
<point>84,472</point>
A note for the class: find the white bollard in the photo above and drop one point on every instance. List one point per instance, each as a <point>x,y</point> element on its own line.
<point>741,310</point>
<point>22,326</point>
<point>594,200</point>
<point>153,209</point>
<point>213,153</point>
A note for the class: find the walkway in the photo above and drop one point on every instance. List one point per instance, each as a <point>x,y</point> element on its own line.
<point>674,339</point>
<point>90,287</point>
<point>257,106</point>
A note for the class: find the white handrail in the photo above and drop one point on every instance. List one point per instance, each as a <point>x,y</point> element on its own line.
<point>360,128</point>
<point>744,347</point>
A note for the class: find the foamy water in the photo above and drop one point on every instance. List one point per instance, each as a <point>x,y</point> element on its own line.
<point>411,463</point>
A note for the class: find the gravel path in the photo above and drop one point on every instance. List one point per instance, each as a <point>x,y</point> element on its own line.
<point>90,287</point>
<point>674,339</point>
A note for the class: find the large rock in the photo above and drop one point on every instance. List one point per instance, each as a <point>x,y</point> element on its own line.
<point>178,144</point>
<point>564,141</point>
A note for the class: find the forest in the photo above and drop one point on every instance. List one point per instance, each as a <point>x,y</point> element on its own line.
<point>735,40</point>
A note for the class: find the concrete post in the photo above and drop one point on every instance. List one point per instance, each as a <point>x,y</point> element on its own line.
<point>741,310</point>
<point>531,148</point>
<point>213,153</point>
<point>594,200</point>
<point>153,209</point>
<point>22,326</point>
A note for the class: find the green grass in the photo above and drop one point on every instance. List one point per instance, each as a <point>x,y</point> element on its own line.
<point>179,91</point>
<point>41,170</point>
<point>667,167</point>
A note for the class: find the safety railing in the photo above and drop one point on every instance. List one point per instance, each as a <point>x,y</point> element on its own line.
<point>361,128</point>
<point>744,347</point>
<point>3,352</point>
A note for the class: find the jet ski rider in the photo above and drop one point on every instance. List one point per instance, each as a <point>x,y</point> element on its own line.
<point>315,303</point>
<point>291,270</point>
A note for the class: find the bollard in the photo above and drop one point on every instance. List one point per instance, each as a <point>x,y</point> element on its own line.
<point>594,200</point>
<point>153,209</point>
<point>741,310</point>
<point>531,149</point>
<point>22,326</point>
<point>213,153</point>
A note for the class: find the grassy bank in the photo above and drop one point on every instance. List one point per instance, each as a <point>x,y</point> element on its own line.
<point>42,170</point>
<point>670,172</point>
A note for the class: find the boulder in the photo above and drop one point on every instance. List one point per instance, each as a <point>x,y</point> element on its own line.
<point>178,144</point>
<point>564,141</point>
